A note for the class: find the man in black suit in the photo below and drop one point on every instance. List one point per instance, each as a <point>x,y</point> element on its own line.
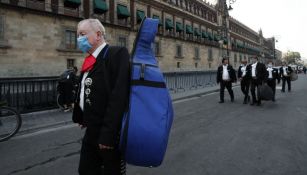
<point>285,72</point>
<point>226,75</point>
<point>101,100</point>
<point>272,76</point>
<point>244,77</point>
<point>258,77</point>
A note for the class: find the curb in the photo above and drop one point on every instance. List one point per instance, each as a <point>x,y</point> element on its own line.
<point>63,123</point>
<point>195,95</point>
<point>41,112</point>
<point>202,93</point>
<point>35,129</point>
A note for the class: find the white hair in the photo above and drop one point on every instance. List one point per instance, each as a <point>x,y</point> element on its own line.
<point>95,24</point>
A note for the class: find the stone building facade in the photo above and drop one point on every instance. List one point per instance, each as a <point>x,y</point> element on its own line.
<point>38,37</point>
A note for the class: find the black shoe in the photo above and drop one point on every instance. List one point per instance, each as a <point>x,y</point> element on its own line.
<point>282,91</point>
<point>232,100</point>
<point>258,103</point>
<point>222,101</point>
<point>273,100</point>
<point>248,98</point>
<point>252,103</point>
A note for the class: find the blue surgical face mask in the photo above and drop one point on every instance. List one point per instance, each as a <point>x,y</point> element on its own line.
<point>83,44</point>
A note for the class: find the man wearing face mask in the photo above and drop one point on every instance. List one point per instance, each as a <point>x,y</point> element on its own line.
<point>285,72</point>
<point>244,77</point>
<point>226,75</point>
<point>273,75</point>
<point>258,77</point>
<point>101,100</point>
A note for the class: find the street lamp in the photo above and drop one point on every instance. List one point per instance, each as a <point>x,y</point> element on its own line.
<point>225,28</point>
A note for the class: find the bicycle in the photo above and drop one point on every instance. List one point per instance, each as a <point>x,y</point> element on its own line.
<point>10,122</point>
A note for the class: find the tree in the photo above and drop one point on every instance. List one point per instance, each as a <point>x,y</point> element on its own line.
<point>292,57</point>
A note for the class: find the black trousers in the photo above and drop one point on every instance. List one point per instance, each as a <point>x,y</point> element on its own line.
<point>66,91</point>
<point>94,161</point>
<point>255,86</point>
<point>245,83</point>
<point>284,80</point>
<point>228,86</point>
<point>272,84</point>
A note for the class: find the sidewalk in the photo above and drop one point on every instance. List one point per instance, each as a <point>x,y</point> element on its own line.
<point>54,118</point>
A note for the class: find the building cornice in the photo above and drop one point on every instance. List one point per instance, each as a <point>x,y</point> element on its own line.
<point>243,26</point>
<point>161,5</point>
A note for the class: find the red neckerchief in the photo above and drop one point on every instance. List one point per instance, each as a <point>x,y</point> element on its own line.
<point>88,63</point>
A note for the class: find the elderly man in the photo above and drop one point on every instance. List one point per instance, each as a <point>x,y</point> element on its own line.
<point>101,100</point>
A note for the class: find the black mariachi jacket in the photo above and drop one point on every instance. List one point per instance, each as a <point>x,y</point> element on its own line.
<point>106,95</point>
<point>261,72</point>
<point>275,74</point>
<point>247,74</point>
<point>281,71</point>
<point>231,72</point>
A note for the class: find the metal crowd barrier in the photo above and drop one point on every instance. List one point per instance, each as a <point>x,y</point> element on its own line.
<point>185,81</point>
<point>40,93</point>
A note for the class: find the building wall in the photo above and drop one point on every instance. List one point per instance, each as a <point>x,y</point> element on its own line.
<point>34,42</point>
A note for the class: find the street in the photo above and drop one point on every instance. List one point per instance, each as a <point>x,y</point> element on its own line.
<point>207,138</point>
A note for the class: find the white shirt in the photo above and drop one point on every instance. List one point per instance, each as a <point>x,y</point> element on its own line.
<point>285,70</point>
<point>254,69</point>
<point>225,73</point>
<point>95,54</point>
<point>243,70</point>
<point>270,70</point>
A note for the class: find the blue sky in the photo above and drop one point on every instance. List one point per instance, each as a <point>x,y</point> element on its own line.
<point>284,19</point>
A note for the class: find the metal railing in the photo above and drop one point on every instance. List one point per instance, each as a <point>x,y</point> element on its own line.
<point>29,94</point>
<point>185,81</point>
<point>40,93</point>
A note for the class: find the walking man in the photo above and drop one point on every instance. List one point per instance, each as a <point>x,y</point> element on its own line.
<point>258,76</point>
<point>226,75</point>
<point>273,75</point>
<point>285,72</point>
<point>101,100</point>
<point>244,77</point>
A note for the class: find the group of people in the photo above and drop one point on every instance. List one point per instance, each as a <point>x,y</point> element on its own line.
<point>251,77</point>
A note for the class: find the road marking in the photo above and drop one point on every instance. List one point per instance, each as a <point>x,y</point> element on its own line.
<point>43,131</point>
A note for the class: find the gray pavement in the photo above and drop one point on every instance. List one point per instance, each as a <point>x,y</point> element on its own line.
<point>53,118</point>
